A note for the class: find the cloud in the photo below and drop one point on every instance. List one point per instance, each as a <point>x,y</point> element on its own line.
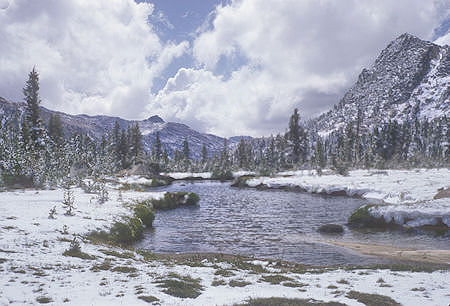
<point>298,53</point>
<point>95,57</point>
<point>443,40</point>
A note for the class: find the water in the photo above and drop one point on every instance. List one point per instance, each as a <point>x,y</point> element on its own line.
<point>267,224</point>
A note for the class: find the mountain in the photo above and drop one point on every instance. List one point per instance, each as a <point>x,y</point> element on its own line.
<point>410,78</point>
<point>172,134</point>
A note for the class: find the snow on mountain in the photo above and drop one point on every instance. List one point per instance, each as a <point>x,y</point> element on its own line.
<point>171,134</point>
<point>410,78</point>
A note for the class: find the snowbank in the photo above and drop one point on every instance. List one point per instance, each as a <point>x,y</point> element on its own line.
<point>434,212</point>
<point>187,175</point>
<point>409,191</point>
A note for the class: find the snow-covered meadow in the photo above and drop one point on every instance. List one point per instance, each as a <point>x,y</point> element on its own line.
<point>34,270</point>
<point>408,194</point>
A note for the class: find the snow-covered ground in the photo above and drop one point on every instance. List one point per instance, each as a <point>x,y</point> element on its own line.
<point>410,192</point>
<point>203,175</point>
<point>186,175</point>
<point>32,265</point>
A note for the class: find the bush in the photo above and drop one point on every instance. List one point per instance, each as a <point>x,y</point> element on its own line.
<point>362,218</point>
<point>145,214</point>
<point>222,174</point>
<point>173,200</point>
<point>127,232</point>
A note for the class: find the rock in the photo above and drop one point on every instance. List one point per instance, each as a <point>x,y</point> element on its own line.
<point>444,193</point>
<point>241,181</point>
<point>331,229</point>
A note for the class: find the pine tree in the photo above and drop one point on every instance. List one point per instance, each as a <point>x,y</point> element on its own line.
<point>123,149</point>
<point>157,148</point>
<point>204,154</point>
<point>31,93</point>
<point>136,141</point>
<point>186,151</point>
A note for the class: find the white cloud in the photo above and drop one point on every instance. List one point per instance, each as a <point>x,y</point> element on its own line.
<point>93,56</point>
<point>443,40</point>
<point>295,50</point>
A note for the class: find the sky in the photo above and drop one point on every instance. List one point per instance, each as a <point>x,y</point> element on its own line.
<point>220,66</point>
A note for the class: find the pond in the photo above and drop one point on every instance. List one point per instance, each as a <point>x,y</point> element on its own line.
<point>270,224</point>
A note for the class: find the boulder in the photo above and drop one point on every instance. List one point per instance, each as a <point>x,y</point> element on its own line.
<point>331,229</point>
<point>443,193</point>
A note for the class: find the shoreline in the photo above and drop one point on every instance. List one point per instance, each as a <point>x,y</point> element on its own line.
<point>441,257</point>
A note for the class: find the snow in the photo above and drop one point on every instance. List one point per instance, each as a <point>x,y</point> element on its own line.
<point>32,264</point>
<point>409,192</point>
<point>185,175</point>
<point>203,175</point>
<point>134,179</point>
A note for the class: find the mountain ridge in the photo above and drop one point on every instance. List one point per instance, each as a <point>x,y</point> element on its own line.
<point>410,78</point>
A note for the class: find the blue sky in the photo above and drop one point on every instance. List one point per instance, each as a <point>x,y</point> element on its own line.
<point>224,67</point>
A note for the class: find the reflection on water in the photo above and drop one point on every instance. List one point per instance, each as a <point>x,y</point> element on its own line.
<point>267,224</point>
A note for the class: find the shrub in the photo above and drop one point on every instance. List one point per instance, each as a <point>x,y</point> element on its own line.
<point>362,218</point>
<point>221,174</point>
<point>145,214</point>
<point>173,200</point>
<point>68,202</point>
<point>126,232</point>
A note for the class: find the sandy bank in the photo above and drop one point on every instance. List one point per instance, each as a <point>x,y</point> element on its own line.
<point>409,254</point>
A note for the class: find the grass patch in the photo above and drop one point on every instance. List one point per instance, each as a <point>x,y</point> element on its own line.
<point>105,266</point>
<point>294,284</point>
<point>276,301</point>
<point>148,298</point>
<point>218,282</point>
<point>124,255</point>
<point>343,282</point>
<point>420,289</point>
<point>79,254</point>
<point>224,273</point>
<point>44,300</point>
<point>429,268</point>
<point>332,287</point>
<point>238,283</point>
<point>124,269</point>
<point>371,299</point>
<point>275,279</point>
<point>181,286</point>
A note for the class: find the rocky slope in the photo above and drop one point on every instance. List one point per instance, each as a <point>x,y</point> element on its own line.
<point>410,78</point>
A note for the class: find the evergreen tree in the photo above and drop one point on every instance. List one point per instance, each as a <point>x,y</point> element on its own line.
<point>157,148</point>
<point>204,154</point>
<point>186,151</point>
<point>31,93</point>
<point>136,141</point>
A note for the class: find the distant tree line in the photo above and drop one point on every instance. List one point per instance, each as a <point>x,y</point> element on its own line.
<point>33,154</point>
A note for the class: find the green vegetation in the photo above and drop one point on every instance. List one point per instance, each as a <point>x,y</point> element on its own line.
<point>75,251</point>
<point>44,300</point>
<point>238,283</point>
<point>371,299</point>
<point>173,200</point>
<point>124,269</point>
<point>148,298</point>
<point>181,286</point>
<point>362,218</point>
<point>275,301</point>
<point>241,181</point>
<point>224,273</point>
<point>275,279</point>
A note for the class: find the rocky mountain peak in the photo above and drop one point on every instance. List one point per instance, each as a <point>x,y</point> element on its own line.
<point>411,77</point>
<point>154,119</point>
